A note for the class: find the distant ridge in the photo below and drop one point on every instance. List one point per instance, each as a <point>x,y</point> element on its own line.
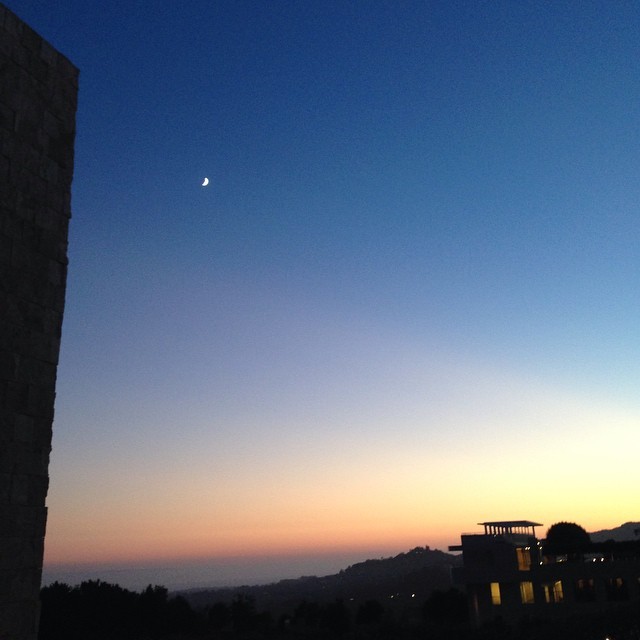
<point>417,558</point>
<point>407,577</point>
<point>626,531</point>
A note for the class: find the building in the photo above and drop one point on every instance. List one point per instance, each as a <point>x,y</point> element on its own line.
<point>510,574</point>
<point>38,91</point>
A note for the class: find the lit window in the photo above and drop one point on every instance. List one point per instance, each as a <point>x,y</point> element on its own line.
<point>524,559</point>
<point>558,595</point>
<point>526,592</point>
<point>553,592</point>
<point>495,593</point>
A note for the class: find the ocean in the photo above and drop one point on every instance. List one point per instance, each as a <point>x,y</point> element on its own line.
<point>202,573</point>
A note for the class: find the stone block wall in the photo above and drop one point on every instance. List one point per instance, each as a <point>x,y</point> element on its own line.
<point>38,93</point>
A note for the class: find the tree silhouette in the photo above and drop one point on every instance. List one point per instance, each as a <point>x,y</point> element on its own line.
<point>306,614</point>
<point>97,610</point>
<point>335,618</point>
<point>446,607</point>
<point>243,613</point>
<point>219,615</point>
<point>369,612</point>
<point>566,538</point>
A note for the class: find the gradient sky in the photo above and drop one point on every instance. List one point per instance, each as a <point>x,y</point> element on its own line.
<point>408,301</point>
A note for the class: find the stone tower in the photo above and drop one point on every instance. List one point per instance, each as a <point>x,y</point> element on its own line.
<point>38,93</point>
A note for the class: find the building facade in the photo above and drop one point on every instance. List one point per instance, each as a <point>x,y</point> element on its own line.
<point>508,575</point>
<point>38,92</point>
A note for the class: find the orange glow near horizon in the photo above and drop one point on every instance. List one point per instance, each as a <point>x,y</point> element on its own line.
<point>128,543</point>
<point>434,515</point>
<point>378,482</point>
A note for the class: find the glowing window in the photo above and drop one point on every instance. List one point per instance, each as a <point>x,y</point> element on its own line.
<point>526,592</point>
<point>495,593</point>
<point>553,592</point>
<point>524,559</point>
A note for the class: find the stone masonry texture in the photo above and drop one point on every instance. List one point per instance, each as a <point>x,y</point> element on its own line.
<point>38,95</point>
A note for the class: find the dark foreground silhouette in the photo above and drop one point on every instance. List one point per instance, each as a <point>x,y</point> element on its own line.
<point>98,610</point>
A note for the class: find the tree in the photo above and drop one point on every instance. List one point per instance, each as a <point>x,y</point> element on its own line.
<point>566,538</point>
<point>334,617</point>
<point>219,615</point>
<point>307,614</point>
<point>98,610</point>
<point>243,612</point>
<point>58,620</point>
<point>446,607</point>
<point>369,612</point>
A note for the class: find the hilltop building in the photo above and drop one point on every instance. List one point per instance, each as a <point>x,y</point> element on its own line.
<point>511,574</point>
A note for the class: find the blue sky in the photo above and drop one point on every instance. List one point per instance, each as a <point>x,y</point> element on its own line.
<point>413,274</point>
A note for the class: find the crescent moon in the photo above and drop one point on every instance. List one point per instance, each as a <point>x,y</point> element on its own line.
<point>205,182</point>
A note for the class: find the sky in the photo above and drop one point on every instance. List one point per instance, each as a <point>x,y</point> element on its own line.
<point>406,303</point>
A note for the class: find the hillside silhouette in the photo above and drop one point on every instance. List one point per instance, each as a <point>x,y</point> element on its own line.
<point>399,580</point>
<point>625,532</point>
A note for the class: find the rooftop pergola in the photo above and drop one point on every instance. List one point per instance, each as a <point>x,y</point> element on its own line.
<point>510,527</point>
